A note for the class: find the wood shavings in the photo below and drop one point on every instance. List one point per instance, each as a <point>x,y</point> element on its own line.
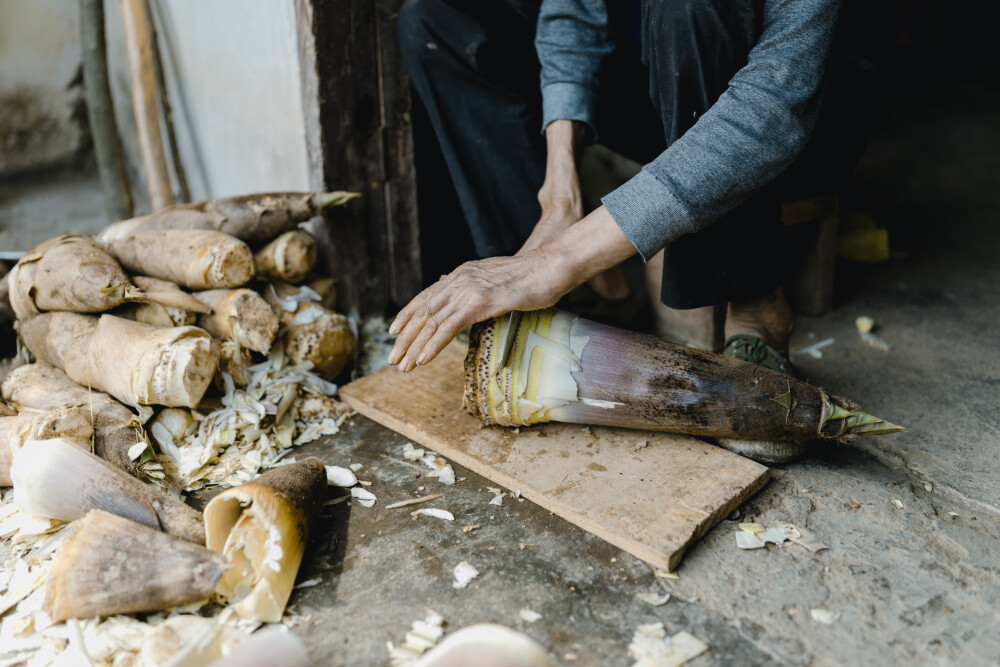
<point>663,574</point>
<point>337,476</point>
<point>897,503</point>
<point>414,501</point>
<point>498,495</point>
<point>654,599</point>
<point>464,572</point>
<point>928,487</point>
<point>309,583</point>
<point>355,467</point>
<point>422,636</point>
<point>468,529</point>
<point>824,616</point>
<point>365,497</point>
<point>752,528</point>
<point>444,515</point>
<point>528,616</point>
<point>651,647</point>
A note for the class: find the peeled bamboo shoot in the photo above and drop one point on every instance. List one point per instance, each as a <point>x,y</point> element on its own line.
<point>60,479</point>
<point>255,219</point>
<point>136,363</point>
<point>561,367</point>
<point>239,315</point>
<point>196,259</point>
<point>312,333</point>
<point>290,257</point>
<point>107,565</point>
<point>70,273</point>
<point>262,528</point>
<point>116,429</point>
<point>66,422</point>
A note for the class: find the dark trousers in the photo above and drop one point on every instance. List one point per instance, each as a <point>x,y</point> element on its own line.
<point>474,67</point>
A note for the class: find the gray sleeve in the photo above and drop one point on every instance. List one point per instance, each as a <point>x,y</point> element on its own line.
<point>746,139</point>
<point>572,39</point>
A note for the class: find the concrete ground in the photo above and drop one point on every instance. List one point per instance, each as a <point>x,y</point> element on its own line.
<point>918,584</point>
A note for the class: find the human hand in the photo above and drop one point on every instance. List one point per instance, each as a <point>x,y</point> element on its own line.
<point>486,288</point>
<point>473,292</point>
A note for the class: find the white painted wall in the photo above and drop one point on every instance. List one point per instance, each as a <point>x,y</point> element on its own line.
<point>233,76</point>
<point>39,58</point>
<point>232,70</point>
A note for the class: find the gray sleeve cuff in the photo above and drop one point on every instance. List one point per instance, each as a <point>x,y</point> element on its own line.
<point>648,214</point>
<point>563,100</point>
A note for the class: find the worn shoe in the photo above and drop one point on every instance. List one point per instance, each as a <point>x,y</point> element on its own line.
<point>756,351</point>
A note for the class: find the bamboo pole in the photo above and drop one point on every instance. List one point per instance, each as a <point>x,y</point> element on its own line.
<point>101,112</point>
<point>145,102</point>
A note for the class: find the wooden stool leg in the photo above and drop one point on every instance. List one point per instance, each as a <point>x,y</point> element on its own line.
<point>697,327</point>
<point>811,292</point>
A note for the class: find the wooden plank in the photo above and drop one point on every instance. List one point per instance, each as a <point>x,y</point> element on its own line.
<point>370,246</point>
<point>651,494</point>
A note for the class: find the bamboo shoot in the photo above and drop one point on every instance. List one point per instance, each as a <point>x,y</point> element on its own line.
<point>136,363</point>
<point>239,315</point>
<point>561,367</point>
<point>116,429</point>
<point>255,219</point>
<point>262,528</point>
<point>107,565</point>
<point>290,257</point>
<point>70,273</point>
<point>196,259</point>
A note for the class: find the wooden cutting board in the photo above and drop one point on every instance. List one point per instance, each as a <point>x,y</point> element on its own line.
<point>651,494</point>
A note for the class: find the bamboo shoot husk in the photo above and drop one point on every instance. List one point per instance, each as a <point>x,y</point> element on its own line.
<point>60,479</point>
<point>565,368</point>
<point>262,528</point>
<point>40,386</point>
<point>268,647</point>
<point>70,273</point>
<point>169,295</point>
<point>290,257</point>
<point>239,315</point>
<point>107,565</point>
<point>312,332</point>
<point>66,422</point>
<point>195,259</point>
<point>255,219</point>
<point>237,362</point>
<point>136,363</point>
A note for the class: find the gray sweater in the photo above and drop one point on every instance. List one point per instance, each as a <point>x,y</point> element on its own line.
<point>748,137</point>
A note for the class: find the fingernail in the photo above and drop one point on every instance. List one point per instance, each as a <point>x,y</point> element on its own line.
<point>393,329</point>
<point>420,359</point>
<point>408,366</point>
<point>392,357</point>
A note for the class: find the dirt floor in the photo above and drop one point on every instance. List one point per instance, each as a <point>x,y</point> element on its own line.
<point>916,584</point>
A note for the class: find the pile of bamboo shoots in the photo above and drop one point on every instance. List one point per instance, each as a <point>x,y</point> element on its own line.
<point>190,347</point>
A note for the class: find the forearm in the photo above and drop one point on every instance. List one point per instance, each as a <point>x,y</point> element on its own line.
<point>582,251</point>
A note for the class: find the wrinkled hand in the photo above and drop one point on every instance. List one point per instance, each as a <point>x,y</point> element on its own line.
<point>473,292</point>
